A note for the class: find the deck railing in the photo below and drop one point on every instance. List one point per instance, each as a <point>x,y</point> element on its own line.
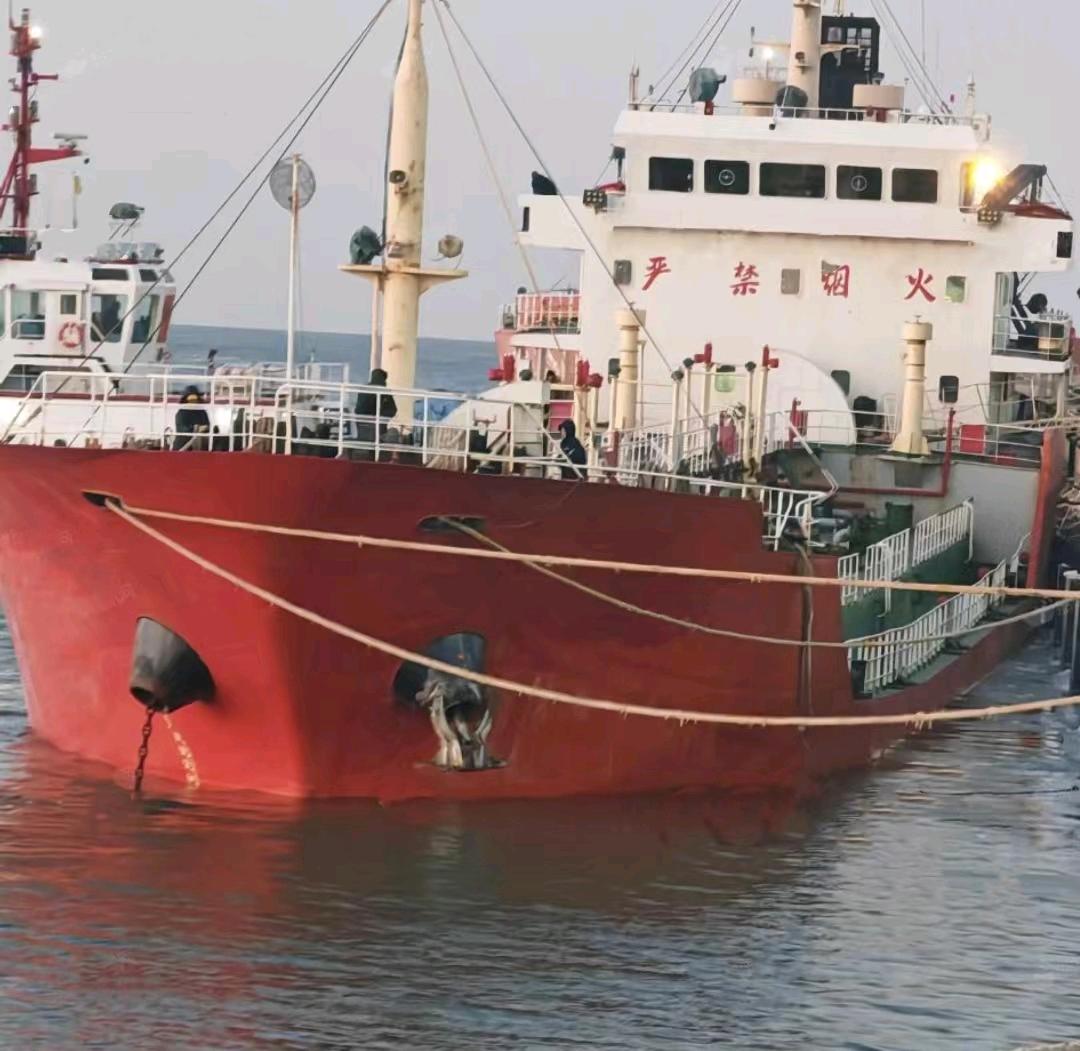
<point>453,432</point>
<point>893,655</point>
<point>898,554</point>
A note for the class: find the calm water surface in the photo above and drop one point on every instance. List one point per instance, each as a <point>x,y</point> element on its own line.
<point>932,904</point>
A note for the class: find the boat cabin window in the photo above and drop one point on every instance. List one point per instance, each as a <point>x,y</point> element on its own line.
<point>727,177</point>
<point>671,174</point>
<point>69,305</point>
<point>146,314</point>
<point>956,289</point>
<point>858,184</point>
<point>21,378</point>
<point>107,318</point>
<point>915,186</point>
<point>793,180</point>
<point>790,282</point>
<point>148,275</point>
<point>27,314</point>
<point>106,273</point>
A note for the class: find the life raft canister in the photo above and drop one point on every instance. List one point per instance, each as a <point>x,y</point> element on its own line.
<point>71,334</point>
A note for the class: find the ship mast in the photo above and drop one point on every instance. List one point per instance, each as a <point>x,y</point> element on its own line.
<point>401,279</point>
<point>19,185</point>
<point>804,67</point>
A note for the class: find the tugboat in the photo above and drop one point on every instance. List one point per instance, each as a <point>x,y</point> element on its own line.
<point>345,590</point>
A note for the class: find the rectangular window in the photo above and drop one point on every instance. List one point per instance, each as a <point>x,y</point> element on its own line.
<point>107,318</point>
<point>727,177</point>
<point>956,289</point>
<point>1065,244</point>
<point>144,326</point>
<point>948,390</point>
<point>104,273</point>
<point>793,180</point>
<point>27,315</point>
<point>790,282</point>
<point>69,305</point>
<point>671,174</point>
<point>858,184</point>
<point>526,220</point>
<point>915,186</point>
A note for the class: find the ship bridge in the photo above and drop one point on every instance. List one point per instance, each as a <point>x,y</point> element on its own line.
<point>817,216</point>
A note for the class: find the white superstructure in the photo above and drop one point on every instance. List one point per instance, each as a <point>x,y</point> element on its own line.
<point>819,232</point>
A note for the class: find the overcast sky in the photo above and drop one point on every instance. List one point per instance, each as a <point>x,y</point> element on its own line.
<point>179,99</point>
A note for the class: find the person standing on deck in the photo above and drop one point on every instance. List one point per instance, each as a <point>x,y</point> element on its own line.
<point>573,451</point>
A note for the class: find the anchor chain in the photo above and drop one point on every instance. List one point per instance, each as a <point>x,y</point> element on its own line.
<point>144,749</point>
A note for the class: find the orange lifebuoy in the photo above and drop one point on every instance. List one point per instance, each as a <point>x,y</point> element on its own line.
<point>71,334</point>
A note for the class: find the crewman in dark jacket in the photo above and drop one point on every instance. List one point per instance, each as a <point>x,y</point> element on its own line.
<point>573,451</point>
<point>372,407</point>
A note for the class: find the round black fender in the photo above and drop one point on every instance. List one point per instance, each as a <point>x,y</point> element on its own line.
<point>166,673</point>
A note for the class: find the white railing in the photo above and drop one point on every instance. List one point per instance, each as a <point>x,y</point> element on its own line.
<point>453,432</point>
<point>934,536</point>
<point>1048,336</point>
<point>979,122</point>
<point>893,655</point>
<point>545,312</point>
<point>850,568</point>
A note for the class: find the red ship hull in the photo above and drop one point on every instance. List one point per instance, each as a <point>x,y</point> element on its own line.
<point>301,712</point>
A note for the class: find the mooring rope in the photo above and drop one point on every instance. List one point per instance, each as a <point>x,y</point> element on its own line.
<point>684,717</point>
<point>730,575</point>
<point>872,642</point>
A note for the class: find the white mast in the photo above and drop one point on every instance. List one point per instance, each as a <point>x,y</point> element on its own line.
<point>804,67</point>
<point>401,278</point>
<point>405,208</point>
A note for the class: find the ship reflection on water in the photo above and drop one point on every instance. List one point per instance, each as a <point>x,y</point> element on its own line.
<point>933,903</point>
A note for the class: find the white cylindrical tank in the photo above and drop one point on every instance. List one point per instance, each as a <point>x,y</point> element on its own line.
<point>630,323</point>
<point>885,97</point>
<point>756,95</point>
<point>911,441</point>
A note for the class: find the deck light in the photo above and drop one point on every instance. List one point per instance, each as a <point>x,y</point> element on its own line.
<point>987,173</point>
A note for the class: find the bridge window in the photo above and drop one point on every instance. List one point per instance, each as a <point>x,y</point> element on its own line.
<point>858,184</point>
<point>915,186</point>
<point>69,305</point>
<point>104,273</point>
<point>28,315</point>
<point>727,177</point>
<point>671,174</point>
<point>107,318</point>
<point>793,180</point>
<point>145,321</point>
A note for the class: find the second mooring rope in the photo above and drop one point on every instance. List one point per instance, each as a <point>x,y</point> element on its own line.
<point>914,719</point>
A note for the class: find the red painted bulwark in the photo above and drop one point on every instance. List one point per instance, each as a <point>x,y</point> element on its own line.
<point>300,711</point>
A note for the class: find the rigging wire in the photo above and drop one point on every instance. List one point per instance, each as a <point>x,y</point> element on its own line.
<point>917,71</point>
<point>731,12</point>
<point>330,83</point>
<point>586,236</point>
<point>701,36</point>
<point>319,97</point>
<point>504,198</point>
<point>315,99</point>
